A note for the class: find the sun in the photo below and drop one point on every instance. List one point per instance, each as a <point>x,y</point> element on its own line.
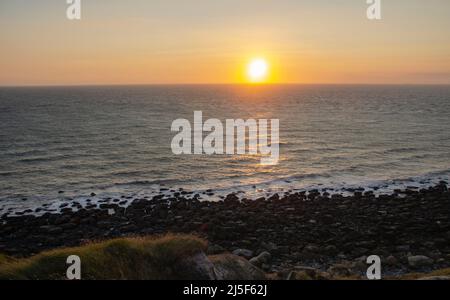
<point>258,70</point>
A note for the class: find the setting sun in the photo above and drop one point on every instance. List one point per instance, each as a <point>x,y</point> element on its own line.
<point>258,70</point>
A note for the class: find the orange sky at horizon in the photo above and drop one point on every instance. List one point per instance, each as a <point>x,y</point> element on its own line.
<point>169,42</point>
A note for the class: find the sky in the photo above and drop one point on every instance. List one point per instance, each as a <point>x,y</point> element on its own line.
<point>212,41</point>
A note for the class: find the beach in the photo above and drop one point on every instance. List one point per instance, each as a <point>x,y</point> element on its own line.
<point>409,229</point>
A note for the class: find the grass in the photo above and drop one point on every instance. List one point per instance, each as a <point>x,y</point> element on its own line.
<point>149,258</point>
<point>414,276</point>
<point>5,259</point>
<point>127,258</point>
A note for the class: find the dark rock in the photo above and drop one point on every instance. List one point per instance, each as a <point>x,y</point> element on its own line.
<point>263,258</point>
<point>215,249</point>
<point>243,253</point>
<point>419,261</point>
<point>340,270</point>
<point>230,267</point>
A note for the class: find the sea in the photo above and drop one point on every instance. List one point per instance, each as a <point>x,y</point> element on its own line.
<point>80,143</point>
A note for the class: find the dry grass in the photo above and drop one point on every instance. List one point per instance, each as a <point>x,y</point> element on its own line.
<point>5,259</point>
<point>127,258</point>
<point>149,258</point>
<point>414,276</point>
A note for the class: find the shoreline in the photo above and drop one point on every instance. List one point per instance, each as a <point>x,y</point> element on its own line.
<point>314,229</point>
<point>54,202</point>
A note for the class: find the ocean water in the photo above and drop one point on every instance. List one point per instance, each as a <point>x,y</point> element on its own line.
<point>116,141</point>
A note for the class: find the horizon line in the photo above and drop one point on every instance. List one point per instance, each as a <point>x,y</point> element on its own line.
<point>212,84</point>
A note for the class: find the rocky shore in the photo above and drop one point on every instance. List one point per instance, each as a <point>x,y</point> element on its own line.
<point>409,230</point>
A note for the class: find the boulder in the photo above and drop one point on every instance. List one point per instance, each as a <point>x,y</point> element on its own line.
<point>215,249</point>
<point>261,259</point>
<point>243,253</point>
<point>307,273</point>
<point>340,270</point>
<point>419,261</point>
<point>269,246</point>
<point>392,261</point>
<point>196,267</point>
<point>232,267</point>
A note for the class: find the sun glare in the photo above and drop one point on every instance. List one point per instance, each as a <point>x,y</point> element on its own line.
<point>258,70</point>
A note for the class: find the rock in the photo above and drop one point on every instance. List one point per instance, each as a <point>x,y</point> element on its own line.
<point>339,270</point>
<point>331,249</point>
<point>215,249</point>
<point>362,259</point>
<point>419,261</point>
<point>55,230</point>
<point>403,248</point>
<point>269,247</point>
<point>62,220</point>
<point>196,267</point>
<point>266,267</point>
<point>275,197</point>
<point>360,264</point>
<point>232,198</point>
<point>311,248</point>
<point>307,273</point>
<point>263,258</point>
<point>232,267</point>
<point>391,261</point>
<point>243,253</point>
<point>299,275</point>
<point>129,228</point>
<point>66,210</point>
